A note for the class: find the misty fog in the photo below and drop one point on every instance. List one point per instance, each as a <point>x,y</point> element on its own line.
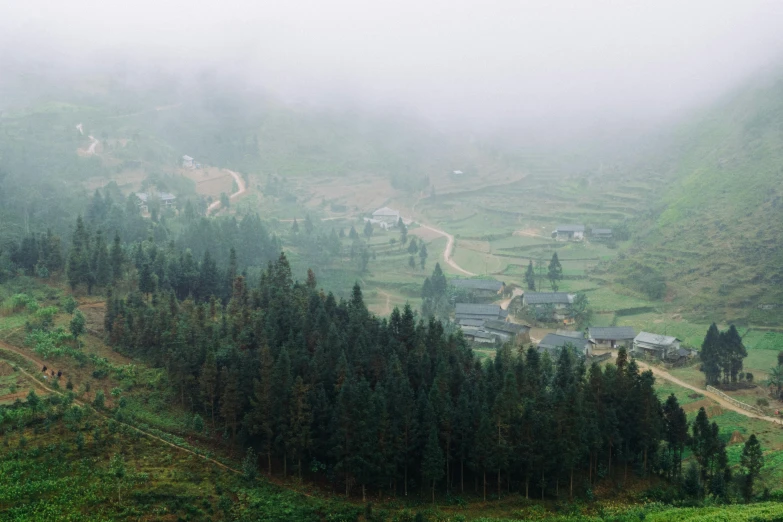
<point>533,66</point>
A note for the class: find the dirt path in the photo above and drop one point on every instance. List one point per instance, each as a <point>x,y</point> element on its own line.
<point>7,347</point>
<point>448,250</point>
<point>242,188</point>
<point>505,302</point>
<point>724,403</point>
<point>387,309</point>
<point>89,151</point>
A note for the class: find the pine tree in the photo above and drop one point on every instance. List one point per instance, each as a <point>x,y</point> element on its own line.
<point>300,422</point>
<point>102,267</point>
<point>432,461</point>
<point>675,431</point>
<point>530,277</point>
<point>736,352</point>
<point>368,230</point>
<point>116,258</point>
<point>555,272</point>
<point>752,460</point>
<point>230,400</point>
<point>260,418</point>
<point>208,385</point>
<point>710,355</point>
<point>423,255</point>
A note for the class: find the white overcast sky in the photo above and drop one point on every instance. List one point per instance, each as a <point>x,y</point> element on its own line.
<point>481,62</point>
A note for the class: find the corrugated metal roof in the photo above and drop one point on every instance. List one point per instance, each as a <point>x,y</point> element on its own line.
<point>651,338</point>
<point>535,298</point>
<point>612,332</point>
<point>477,284</point>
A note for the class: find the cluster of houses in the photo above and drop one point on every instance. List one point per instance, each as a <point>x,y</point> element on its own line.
<point>577,233</point>
<point>488,324</point>
<point>645,344</point>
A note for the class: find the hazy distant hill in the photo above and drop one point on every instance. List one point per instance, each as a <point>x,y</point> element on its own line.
<point>717,235</point>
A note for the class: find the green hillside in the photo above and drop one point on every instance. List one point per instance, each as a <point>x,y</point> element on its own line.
<point>715,234</point>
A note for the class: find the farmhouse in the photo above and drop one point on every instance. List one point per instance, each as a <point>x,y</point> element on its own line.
<point>505,331</point>
<point>569,233</point>
<point>481,337</point>
<point>655,345</point>
<point>188,162</point>
<point>166,199</point>
<point>553,343</point>
<point>612,337</point>
<point>386,215</point>
<point>560,302</point>
<point>601,234</point>
<point>480,287</point>
<point>483,312</point>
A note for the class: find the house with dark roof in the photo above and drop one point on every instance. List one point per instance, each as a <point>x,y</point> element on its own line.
<point>481,337</point>
<point>656,346</point>
<point>601,234</point>
<point>553,343</point>
<point>484,312</point>
<point>505,331</point>
<point>560,302</point>
<point>569,233</point>
<point>166,199</point>
<point>612,336</point>
<point>480,287</point>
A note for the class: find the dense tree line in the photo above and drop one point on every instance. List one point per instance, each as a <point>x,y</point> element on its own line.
<point>722,355</point>
<point>396,405</point>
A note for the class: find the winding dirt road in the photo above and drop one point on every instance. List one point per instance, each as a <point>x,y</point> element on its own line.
<point>724,403</point>
<point>242,189</point>
<point>448,250</point>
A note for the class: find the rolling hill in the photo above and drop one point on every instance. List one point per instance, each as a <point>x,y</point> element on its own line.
<point>714,234</point>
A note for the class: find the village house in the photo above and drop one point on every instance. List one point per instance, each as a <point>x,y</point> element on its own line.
<point>480,336</point>
<point>569,233</point>
<point>166,199</point>
<point>386,215</point>
<point>553,343</point>
<point>480,287</point>
<point>656,346</point>
<point>559,301</point>
<point>187,162</point>
<point>601,234</point>
<point>483,312</point>
<point>612,336</point>
<point>505,331</point>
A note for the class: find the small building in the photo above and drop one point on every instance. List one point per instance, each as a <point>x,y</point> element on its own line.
<point>601,234</point>
<point>612,336</point>
<point>505,331</point>
<point>656,346</point>
<point>188,162</point>
<point>470,325</point>
<point>553,343</point>
<point>166,199</point>
<point>569,233</point>
<point>481,287</point>
<point>386,215</point>
<point>380,223</point>
<point>484,312</point>
<point>480,337</point>
<point>559,301</point>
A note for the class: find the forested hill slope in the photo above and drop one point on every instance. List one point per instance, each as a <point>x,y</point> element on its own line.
<point>716,235</point>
